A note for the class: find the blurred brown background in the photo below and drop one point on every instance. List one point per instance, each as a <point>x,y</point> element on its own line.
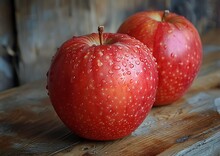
<point>32,30</point>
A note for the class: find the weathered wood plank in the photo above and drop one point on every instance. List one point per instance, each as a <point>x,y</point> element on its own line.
<point>44,25</point>
<point>7,40</point>
<point>6,27</point>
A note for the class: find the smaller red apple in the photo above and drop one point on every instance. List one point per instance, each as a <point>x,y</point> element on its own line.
<point>102,86</point>
<point>175,44</point>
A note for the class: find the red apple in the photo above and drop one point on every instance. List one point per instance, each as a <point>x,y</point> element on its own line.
<point>175,44</point>
<point>102,86</point>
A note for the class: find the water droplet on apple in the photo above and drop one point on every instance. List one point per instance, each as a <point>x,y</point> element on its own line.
<point>122,80</point>
<point>99,85</point>
<point>143,60</point>
<point>137,46</point>
<point>131,65</point>
<point>137,62</point>
<point>124,64</point>
<point>131,81</point>
<point>110,72</point>
<point>128,72</point>
<point>119,47</point>
<point>181,63</point>
<point>118,59</point>
<point>165,46</point>
<point>104,81</point>
<point>172,55</point>
<point>116,67</point>
<point>100,63</point>
<point>100,53</point>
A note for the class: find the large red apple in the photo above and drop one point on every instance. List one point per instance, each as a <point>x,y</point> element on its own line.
<point>102,86</point>
<point>175,44</point>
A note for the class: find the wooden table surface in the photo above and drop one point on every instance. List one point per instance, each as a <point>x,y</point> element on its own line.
<point>191,126</point>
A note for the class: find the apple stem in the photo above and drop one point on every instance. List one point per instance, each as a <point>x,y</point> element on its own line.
<point>165,13</point>
<point>100,30</point>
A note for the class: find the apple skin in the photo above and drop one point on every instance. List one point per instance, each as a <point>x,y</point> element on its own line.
<point>175,44</point>
<point>102,92</point>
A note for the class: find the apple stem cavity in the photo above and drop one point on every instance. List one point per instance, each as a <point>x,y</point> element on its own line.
<point>165,14</point>
<point>100,30</point>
